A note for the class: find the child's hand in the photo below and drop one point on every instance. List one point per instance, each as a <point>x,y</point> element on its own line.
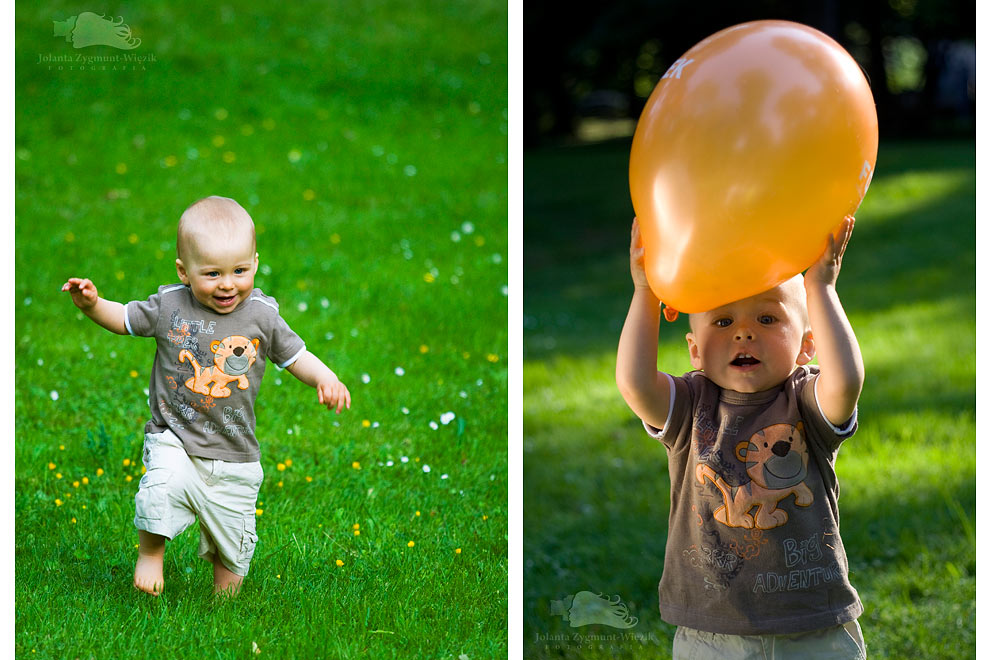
<point>826,269</point>
<point>636,267</point>
<point>334,394</point>
<point>83,292</point>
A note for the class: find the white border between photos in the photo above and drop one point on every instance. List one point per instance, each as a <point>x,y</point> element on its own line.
<point>515,226</point>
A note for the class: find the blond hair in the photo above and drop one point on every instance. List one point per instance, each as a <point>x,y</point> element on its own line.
<point>209,218</point>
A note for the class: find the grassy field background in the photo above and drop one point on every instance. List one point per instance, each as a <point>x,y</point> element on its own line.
<point>368,141</point>
<point>596,487</point>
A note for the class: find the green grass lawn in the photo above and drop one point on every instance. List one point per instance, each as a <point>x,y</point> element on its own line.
<point>368,141</point>
<point>596,487</point>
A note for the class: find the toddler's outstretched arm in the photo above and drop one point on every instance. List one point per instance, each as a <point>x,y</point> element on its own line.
<point>646,390</point>
<point>106,313</point>
<point>329,390</point>
<point>841,379</point>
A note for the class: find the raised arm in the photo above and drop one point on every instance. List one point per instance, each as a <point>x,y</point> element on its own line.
<point>106,313</point>
<point>645,390</point>
<point>330,392</point>
<point>841,379</point>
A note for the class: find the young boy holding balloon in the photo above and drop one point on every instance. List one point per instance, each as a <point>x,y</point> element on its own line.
<point>753,558</point>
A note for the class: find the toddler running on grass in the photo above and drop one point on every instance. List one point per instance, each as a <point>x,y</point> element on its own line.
<point>754,565</point>
<point>214,332</point>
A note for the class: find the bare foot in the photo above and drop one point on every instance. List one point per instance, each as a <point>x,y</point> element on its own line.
<point>225,582</point>
<point>148,573</point>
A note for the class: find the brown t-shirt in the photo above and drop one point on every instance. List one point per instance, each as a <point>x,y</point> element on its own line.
<point>208,367</point>
<point>753,545</point>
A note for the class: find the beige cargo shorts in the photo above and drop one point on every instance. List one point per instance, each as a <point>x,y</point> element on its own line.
<point>178,488</point>
<point>843,642</point>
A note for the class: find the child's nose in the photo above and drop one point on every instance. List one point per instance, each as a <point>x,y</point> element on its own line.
<point>743,332</point>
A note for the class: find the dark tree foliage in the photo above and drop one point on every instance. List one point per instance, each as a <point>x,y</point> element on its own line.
<point>593,58</point>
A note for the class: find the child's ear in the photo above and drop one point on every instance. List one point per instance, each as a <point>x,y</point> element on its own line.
<point>181,270</point>
<point>693,350</point>
<point>807,353</point>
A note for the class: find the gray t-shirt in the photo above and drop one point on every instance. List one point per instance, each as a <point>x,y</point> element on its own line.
<point>208,367</point>
<point>753,545</point>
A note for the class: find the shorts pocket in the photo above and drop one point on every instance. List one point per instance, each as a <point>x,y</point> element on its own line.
<point>249,539</point>
<point>151,501</point>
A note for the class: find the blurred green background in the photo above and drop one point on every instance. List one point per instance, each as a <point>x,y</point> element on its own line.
<point>368,140</point>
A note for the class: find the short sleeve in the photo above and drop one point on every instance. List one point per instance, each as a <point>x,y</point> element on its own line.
<point>141,316</point>
<point>678,413</point>
<point>807,386</point>
<point>286,345</point>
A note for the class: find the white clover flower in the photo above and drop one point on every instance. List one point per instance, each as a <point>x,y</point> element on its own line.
<point>443,476</point>
<point>54,395</point>
<point>399,371</point>
<point>405,411</point>
<point>389,463</point>
<point>302,306</point>
<point>455,236</point>
<point>447,418</point>
<point>404,459</point>
<point>365,378</point>
<point>426,468</point>
<point>467,228</point>
<point>434,425</point>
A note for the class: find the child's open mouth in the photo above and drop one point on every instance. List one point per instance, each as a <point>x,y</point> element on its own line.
<point>224,301</point>
<point>745,360</point>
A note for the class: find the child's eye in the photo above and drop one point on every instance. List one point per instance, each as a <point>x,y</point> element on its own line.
<point>722,323</point>
<point>213,273</point>
<point>238,271</point>
<point>766,319</point>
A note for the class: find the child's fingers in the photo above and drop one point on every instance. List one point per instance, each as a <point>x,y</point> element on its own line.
<point>636,239</point>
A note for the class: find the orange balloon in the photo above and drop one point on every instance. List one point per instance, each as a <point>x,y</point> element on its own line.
<point>752,148</point>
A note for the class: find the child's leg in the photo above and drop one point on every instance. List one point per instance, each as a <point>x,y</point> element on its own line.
<point>148,572</point>
<point>224,581</point>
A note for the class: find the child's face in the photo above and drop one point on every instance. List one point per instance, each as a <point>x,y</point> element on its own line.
<point>220,273</point>
<point>753,344</point>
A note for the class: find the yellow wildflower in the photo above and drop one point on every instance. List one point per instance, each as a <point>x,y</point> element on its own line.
<point>411,543</point>
<point>340,563</point>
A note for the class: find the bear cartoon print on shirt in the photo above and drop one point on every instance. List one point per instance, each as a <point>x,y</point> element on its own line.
<point>776,460</point>
<point>232,358</point>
